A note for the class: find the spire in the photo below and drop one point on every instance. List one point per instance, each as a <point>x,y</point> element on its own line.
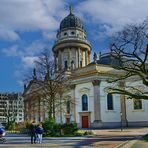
<point>95,57</point>
<point>34,74</point>
<point>70,7</point>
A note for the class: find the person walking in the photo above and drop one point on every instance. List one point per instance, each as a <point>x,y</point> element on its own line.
<point>39,132</point>
<point>33,132</point>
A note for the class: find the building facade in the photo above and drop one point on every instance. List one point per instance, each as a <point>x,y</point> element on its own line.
<point>94,106</point>
<point>11,107</point>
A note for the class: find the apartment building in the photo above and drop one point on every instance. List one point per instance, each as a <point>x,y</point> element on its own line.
<point>11,107</point>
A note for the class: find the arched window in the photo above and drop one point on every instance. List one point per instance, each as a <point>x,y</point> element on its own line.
<point>84,103</point>
<point>68,107</point>
<point>110,101</point>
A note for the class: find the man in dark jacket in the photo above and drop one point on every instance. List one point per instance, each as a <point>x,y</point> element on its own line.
<point>33,132</point>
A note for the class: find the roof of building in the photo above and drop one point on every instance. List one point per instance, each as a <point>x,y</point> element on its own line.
<point>71,21</point>
<point>108,59</point>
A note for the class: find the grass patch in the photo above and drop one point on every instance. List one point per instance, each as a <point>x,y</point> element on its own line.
<point>83,133</point>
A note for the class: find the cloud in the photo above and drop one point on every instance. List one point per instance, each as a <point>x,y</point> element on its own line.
<point>9,35</point>
<point>29,15</point>
<point>29,61</point>
<point>20,50</point>
<point>26,53</point>
<point>113,14</point>
<point>11,51</point>
<point>35,47</point>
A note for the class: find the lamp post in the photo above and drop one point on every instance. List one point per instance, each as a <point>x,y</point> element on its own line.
<point>121,121</point>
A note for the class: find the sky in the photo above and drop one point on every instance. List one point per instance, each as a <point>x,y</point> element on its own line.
<point>27,27</point>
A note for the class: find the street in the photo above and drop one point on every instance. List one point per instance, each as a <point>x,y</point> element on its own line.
<point>103,139</point>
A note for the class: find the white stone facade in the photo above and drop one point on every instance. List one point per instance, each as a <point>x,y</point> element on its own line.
<point>99,108</point>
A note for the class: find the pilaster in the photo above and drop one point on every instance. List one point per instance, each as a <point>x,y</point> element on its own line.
<point>123,107</point>
<point>97,104</point>
<point>73,101</point>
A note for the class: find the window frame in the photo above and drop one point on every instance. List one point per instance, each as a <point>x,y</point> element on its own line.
<point>68,107</point>
<point>141,104</point>
<point>110,96</point>
<point>84,102</point>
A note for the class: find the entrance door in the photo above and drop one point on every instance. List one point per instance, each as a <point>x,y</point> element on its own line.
<point>84,121</point>
<point>67,120</point>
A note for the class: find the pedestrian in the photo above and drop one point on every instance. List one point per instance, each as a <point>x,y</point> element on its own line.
<point>33,132</point>
<point>39,132</point>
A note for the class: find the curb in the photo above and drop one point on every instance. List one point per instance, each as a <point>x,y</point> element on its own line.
<point>129,144</point>
<point>122,144</point>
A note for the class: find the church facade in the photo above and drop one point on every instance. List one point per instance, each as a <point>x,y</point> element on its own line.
<point>94,106</point>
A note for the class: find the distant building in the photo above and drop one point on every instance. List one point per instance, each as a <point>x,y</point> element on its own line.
<point>11,107</point>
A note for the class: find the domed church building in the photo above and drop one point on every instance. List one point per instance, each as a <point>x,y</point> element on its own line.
<point>94,106</point>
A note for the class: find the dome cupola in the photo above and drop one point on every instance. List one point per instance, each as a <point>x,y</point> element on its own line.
<point>71,21</point>
<point>71,48</point>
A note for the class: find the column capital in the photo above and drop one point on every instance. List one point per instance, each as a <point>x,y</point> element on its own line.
<point>96,82</point>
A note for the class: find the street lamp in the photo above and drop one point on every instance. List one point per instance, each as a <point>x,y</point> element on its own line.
<point>121,121</point>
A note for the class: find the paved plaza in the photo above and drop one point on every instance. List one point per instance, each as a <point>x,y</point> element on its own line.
<point>112,138</point>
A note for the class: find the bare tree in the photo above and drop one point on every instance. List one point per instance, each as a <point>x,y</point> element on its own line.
<point>51,84</point>
<point>130,49</point>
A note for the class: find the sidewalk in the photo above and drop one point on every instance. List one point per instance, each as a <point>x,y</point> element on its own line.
<point>124,139</point>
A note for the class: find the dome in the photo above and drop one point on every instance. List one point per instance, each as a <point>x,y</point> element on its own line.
<point>71,21</point>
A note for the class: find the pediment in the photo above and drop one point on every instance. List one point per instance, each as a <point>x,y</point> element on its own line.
<point>84,90</point>
<point>32,87</point>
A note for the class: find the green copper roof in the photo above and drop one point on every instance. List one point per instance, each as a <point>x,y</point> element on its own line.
<point>71,21</point>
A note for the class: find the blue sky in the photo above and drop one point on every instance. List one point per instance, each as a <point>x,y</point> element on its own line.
<point>29,26</point>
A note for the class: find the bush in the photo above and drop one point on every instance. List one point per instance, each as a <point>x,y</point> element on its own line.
<point>48,126</point>
<point>11,126</point>
<point>145,137</point>
<point>69,129</point>
<point>53,129</point>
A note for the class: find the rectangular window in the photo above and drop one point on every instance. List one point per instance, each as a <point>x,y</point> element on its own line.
<point>110,102</point>
<point>80,63</point>
<point>66,65</point>
<point>137,104</point>
<point>68,107</point>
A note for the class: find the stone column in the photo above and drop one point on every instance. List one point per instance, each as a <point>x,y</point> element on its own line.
<point>88,56</point>
<point>97,104</point>
<point>78,57</point>
<point>55,61</point>
<point>69,58</point>
<point>60,60</point>
<point>39,109</point>
<point>123,107</point>
<point>85,57</point>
